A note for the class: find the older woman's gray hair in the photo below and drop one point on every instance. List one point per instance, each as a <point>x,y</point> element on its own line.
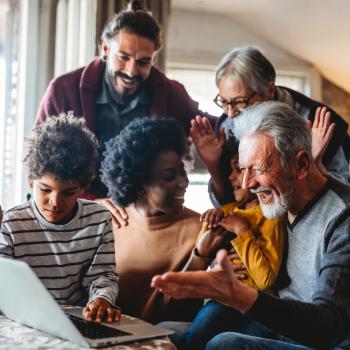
<point>289,130</point>
<point>249,67</point>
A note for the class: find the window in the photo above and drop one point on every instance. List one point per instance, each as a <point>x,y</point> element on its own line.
<point>9,37</point>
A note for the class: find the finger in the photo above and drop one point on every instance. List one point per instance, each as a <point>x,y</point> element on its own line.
<point>100,313</point>
<point>117,314</point>
<point>110,314</point>
<point>222,136</point>
<point>322,116</point>
<point>317,117</point>
<point>117,212</point>
<point>195,131</point>
<point>309,123</point>
<point>203,217</point>
<point>207,125</point>
<point>86,311</point>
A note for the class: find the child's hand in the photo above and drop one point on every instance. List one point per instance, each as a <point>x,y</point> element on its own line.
<point>235,223</point>
<point>212,217</point>
<point>210,242</point>
<point>322,132</point>
<point>99,310</point>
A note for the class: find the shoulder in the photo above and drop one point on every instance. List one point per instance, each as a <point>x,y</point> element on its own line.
<point>18,212</point>
<point>159,79</point>
<point>93,211</point>
<point>189,218</point>
<point>338,191</point>
<point>87,76</point>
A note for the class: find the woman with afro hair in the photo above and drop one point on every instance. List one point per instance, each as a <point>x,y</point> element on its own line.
<point>144,172</point>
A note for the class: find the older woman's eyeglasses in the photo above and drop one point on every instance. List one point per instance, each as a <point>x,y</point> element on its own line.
<point>237,103</point>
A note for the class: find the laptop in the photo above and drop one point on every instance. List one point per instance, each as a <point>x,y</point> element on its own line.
<point>24,299</point>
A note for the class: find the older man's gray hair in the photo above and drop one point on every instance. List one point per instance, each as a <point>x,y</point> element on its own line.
<point>289,130</point>
<point>249,67</point>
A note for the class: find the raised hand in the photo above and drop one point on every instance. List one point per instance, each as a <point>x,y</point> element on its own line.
<point>322,131</point>
<point>209,147</point>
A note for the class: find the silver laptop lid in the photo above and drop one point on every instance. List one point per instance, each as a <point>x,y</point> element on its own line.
<point>23,298</point>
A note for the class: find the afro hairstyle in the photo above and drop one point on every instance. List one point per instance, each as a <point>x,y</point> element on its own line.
<point>129,156</point>
<point>62,146</point>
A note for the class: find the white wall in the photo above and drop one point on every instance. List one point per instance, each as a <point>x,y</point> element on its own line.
<point>200,39</point>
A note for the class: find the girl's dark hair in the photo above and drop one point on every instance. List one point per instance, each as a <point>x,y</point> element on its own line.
<point>63,147</point>
<point>133,20</point>
<point>129,156</point>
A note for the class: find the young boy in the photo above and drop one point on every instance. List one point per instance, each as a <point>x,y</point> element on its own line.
<point>66,240</point>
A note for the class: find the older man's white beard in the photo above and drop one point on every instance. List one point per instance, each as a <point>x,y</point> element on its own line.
<point>277,208</point>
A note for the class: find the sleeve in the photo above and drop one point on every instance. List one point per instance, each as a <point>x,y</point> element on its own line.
<point>6,242</point>
<point>338,166</point>
<point>101,278</point>
<point>48,105</point>
<point>261,252</point>
<point>326,320</point>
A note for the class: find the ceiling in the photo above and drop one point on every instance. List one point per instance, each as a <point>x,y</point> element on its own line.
<point>317,31</point>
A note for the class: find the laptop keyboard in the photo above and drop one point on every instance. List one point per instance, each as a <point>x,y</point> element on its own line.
<point>94,330</point>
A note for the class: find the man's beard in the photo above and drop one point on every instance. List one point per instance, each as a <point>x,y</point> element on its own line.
<point>278,207</point>
<point>126,96</point>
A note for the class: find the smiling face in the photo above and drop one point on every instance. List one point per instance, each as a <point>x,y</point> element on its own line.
<point>165,190</point>
<point>264,174</point>
<point>129,62</point>
<point>241,195</point>
<point>232,90</point>
<point>56,201</point>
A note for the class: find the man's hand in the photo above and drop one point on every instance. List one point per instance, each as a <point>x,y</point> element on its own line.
<point>235,223</point>
<point>212,217</point>
<point>208,146</point>
<point>219,284</point>
<point>99,310</point>
<point>119,214</point>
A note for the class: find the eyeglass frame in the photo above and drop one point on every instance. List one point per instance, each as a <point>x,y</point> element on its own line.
<point>235,101</point>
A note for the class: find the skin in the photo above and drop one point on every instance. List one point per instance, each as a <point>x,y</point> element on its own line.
<point>129,62</point>
<point>55,200</point>
<point>101,310</point>
<point>164,192</point>
<point>208,146</point>
<point>262,167</point>
<point>57,203</point>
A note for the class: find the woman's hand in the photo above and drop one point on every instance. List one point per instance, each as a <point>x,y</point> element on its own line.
<point>212,217</point>
<point>119,214</point>
<point>211,241</point>
<point>100,309</point>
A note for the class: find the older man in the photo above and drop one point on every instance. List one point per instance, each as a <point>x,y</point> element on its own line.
<point>313,309</point>
<point>120,86</point>
<point>244,77</point>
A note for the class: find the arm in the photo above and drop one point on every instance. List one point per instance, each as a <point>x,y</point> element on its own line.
<point>320,324</point>
<point>101,278</point>
<point>6,242</point>
<point>261,252</point>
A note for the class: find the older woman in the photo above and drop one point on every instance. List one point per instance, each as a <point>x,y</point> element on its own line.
<point>144,172</point>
